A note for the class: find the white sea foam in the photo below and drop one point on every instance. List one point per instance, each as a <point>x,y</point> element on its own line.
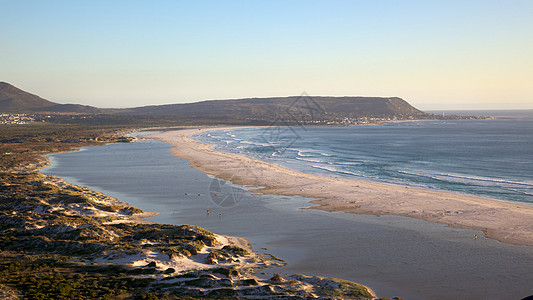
<point>466,178</point>
<point>304,153</point>
<point>369,153</point>
<point>327,168</point>
<point>300,153</point>
<point>257,144</point>
<point>349,163</point>
<point>310,160</point>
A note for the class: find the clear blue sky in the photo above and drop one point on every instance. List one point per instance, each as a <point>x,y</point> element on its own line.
<point>434,54</point>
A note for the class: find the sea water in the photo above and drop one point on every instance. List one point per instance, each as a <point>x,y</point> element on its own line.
<point>396,256</point>
<point>489,158</point>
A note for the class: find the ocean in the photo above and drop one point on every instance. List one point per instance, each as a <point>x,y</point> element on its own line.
<point>395,256</point>
<point>487,158</point>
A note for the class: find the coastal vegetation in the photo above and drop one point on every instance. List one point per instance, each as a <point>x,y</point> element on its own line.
<point>61,241</point>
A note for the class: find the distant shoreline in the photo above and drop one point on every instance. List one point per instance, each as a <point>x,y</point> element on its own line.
<point>503,221</point>
<point>496,113</point>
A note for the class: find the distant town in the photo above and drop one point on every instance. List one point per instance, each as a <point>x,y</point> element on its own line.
<point>19,119</point>
<point>329,120</point>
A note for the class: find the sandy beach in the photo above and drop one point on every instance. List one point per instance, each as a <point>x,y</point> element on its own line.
<point>506,222</point>
<point>186,259</point>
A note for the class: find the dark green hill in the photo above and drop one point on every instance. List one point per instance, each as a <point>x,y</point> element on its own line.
<point>15,100</point>
<point>295,109</point>
<point>287,107</point>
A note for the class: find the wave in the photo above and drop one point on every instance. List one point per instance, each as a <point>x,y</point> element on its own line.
<point>349,163</point>
<point>310,160</point>
<point>332,169</point>
<point>446,176</point>
<point>487,179</point>
<point>336,152</point>
<point>302,153</point>
<point>518,191</point>
<point>257,144</point>
<point>327,168</point>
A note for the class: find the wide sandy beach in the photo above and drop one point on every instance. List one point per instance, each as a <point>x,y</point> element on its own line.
<point>506,222</point>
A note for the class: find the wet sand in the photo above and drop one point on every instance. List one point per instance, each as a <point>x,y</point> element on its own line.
<point>506,222</point>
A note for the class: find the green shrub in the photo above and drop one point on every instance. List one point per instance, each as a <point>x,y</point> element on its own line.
<point>237,251</point>
<point>229,272</point>
<point>248,282</point>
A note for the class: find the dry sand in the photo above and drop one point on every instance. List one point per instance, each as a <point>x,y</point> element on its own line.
<point>506,222</point>
<point>183,263</point>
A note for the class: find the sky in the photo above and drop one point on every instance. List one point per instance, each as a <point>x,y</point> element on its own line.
<point>465,54</point>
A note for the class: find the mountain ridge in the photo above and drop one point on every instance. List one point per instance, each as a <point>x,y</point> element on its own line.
<point>304,107</point>
<point>346,106</point>
<point>15,100</point>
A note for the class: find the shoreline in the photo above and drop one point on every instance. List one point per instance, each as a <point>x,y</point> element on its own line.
<point>502,221</point>
<point>44,161</point>
<point>210,261</point>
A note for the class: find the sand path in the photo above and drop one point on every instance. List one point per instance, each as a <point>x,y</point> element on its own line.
<point>507,222</point>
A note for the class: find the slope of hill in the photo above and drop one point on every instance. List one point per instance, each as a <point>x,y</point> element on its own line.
<point>296,109</point>
<point>15,100</point>
<point>287,107</point>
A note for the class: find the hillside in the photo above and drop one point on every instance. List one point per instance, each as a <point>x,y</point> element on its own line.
<point>15,100</point>
<point>296,109</point>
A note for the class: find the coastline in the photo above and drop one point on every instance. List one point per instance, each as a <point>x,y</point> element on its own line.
<point>209,263</point>
<point>502,221</point>
<point>44,161</point>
